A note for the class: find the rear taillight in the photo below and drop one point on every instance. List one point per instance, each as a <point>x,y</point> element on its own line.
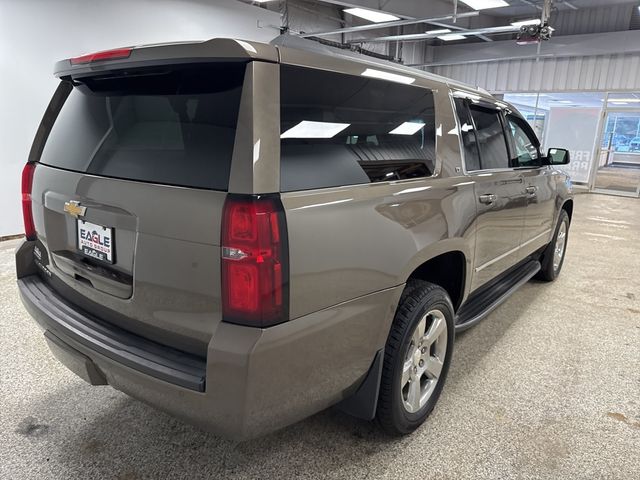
<point>255,274</point>
<point>114,54</point>
<point>27,212</point>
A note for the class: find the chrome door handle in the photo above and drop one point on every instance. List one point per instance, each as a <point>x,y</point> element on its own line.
<point>531,190</point>
<point>488,198</point>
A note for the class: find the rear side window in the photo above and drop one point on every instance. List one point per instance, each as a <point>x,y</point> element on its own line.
<point>172,126</point>
<point>483,137</point>
<point>341,129</point>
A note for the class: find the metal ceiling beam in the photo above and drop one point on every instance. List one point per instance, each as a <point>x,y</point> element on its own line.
<point>395,23</point>
<point>425,36</point>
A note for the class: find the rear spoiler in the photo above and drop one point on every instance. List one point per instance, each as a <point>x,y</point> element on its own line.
<point>165,54</point>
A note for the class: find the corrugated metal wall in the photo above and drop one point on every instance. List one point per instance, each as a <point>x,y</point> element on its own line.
<point>604,72</point>
<point>611,18</point>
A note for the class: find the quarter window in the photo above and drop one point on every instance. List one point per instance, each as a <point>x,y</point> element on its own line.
<point>469,142</point>
<point>341,129</point>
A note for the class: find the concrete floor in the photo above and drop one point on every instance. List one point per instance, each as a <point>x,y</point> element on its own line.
<point>548,386</point>
<point>618,178</point>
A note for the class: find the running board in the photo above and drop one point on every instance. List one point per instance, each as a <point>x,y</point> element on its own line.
<point>481,303</point>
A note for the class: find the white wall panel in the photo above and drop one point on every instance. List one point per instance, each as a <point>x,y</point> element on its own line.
<point>36,33</point>
<point>603,72</point>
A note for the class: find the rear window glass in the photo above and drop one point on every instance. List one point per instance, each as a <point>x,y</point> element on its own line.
<point>172,126</point>
<point>341,129</point>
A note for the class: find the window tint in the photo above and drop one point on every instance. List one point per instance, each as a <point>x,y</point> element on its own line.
<point>170,126</point>
<point>524,143</point>
<point>343,129</point>
<point>469,143</point>
<point>490,138</point>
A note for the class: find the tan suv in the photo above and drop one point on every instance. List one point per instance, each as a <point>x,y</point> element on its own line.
<point>244,234</point>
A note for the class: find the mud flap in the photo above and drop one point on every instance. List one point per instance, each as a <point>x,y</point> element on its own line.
<point>364,402</point>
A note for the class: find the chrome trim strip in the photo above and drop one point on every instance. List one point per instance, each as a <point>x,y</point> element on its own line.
<point>513,250</point>
<point>546,232</point>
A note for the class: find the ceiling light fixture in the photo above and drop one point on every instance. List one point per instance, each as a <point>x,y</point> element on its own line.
<point>484,4</point>
<point>374,16</point>
<point>451,36</point>
<point>442,30</point>
<point>393,77</point>
<point>522,23</point>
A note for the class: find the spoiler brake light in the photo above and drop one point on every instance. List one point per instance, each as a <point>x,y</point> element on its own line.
<point>114,54</point>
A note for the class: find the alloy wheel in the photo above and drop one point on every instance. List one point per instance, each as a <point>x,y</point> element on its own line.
<point>424,360</point>
<point>561,243</point>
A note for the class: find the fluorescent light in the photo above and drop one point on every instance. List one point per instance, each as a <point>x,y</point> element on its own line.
<point>620,103</point>
<point>451,36</point>
<point>522,23</point>
<point>628,100</point>
<point>394,77</point>
<point>308,129</point>
<point>407,128</point>
<point>443,36</point>
<point>483,4</point>
<point>375,16</point>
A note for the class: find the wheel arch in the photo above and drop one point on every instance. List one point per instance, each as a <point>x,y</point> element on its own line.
<point>568,207</point>
<point>448,265</point>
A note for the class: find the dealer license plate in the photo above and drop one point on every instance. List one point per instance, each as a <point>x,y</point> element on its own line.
<point>95,241</point>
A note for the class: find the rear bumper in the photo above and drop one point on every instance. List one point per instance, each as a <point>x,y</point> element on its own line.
<point>62,318</point>
<point>255,381</point>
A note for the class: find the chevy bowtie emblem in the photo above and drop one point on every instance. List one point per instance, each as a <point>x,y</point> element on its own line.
<point>74,208</point>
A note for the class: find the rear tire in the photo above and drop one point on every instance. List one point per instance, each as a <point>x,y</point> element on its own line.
<point>416,357</point>
<point>553,256</point>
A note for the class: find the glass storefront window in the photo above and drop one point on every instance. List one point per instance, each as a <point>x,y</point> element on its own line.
<point>568,120</point>
<point>605,149</point>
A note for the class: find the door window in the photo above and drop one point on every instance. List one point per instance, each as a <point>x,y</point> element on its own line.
<point>525,152</point>
<point>490,138</point>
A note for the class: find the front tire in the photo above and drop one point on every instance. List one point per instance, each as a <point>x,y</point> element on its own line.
<point>416,357</point>
<point>553,256</point>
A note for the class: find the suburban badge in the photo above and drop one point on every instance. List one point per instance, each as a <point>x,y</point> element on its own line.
<point>73,208</point>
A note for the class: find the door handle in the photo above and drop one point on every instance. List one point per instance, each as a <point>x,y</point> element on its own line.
<point>531,190</point>
<point>488,198</point>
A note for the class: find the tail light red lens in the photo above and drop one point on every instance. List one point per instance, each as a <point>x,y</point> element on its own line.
<point>27,212</point>
<point>114,54</point>
<point>255,261</point>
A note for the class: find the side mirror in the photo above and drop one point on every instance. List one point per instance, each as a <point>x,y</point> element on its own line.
<point>558,156</point>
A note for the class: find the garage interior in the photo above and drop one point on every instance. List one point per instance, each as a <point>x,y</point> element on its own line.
<point>547,386</point>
